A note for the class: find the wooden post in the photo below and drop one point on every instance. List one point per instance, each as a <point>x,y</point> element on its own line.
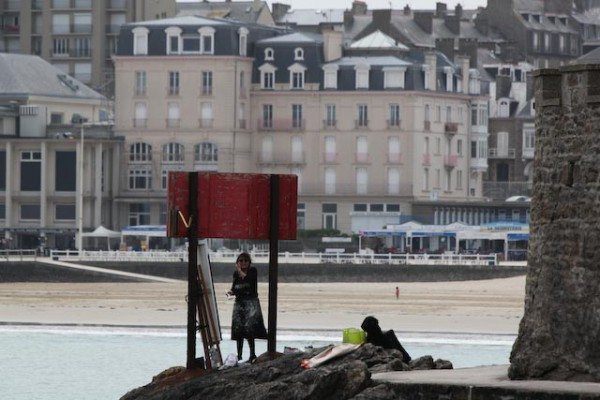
<point>192,270</point>
<point>273,263</point>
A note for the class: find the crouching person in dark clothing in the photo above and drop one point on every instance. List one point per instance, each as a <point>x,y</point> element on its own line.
<point>387,339</point>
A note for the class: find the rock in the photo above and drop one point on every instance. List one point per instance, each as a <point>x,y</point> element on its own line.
<point>442,364</point>
<point>346,377</point>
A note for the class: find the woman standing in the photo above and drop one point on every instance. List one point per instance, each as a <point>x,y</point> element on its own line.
<point>247,320</point>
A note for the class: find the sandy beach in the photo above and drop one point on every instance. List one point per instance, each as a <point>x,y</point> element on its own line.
<point>486,306</point>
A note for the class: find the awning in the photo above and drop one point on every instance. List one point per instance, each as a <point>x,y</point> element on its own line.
<point>381,233</point>
<point>517,236</point>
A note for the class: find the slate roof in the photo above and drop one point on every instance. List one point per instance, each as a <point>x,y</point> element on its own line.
<point>378,40</point>
<point>31,75</point>
<point>593,57</point>
<point>188,20</point>
<point>238,10</point>
<point>385,61</point>
<point>312,17</point>
<point>296,37</point>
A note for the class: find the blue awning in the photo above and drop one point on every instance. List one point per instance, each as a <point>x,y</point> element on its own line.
<point>517,236</point>
<point>431,234</point>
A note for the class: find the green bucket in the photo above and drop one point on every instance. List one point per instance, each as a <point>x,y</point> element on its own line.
<point>353,335</point>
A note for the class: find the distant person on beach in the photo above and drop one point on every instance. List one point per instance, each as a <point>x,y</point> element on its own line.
<point>397,292</point>
<point>247,319</point>
<point>387,339</point>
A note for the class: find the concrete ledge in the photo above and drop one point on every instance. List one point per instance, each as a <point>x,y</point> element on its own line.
<point>481,383</point>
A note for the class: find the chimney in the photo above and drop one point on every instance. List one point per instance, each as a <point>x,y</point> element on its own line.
<point>359,7</point>
<point>445,46</point>
<point>440,10</point>
<point>463,62</point>
<point>458,11</point>
<point>407,10</point>
<point>453,23</point>
<point>431,62</point>
<point>382,20</point>
<point>348,18</point>
<point>279,10</point>
<point>468,47</point>
<point>332,45</point>
<point>424,20</point>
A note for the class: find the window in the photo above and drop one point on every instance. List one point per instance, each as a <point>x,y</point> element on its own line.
<point>393,178</point>
<point>503,108</point>
<point>173,40</point>
<point>394,115</point>
<point>329,216</point>
<point>330,180</point>
<point>173,152</point>
<point>362,180</point>
<point>140,115</point>
<point>60,47</point>
<point>140,83</point>
<point>297,76</point>
<point>297,121</point>
<point>438,145</point>
<point>65,177</point>
<point>330,149</point>
<point>393,78</point>
<point>459,179</point>
<point>61,24</point>
<point>267,116</point>
<point>140,152</point>
<point>266,154</point>
<point>82,23</point>
<point>139,214</point>
<point>448,114</point>
<point>298,54</point>
<point>502,144</point>
<point>207,38</point>
<point>330,117</point>
<point>173,83</point>
<point>363,116</point>
<point>474,82</point>
<point>394,152</point>
<point>426,83</point>
<point>535,39</point>
<point>190,44</point>
<point>267,76</point>
<point>528,137</point>
<point>425,178</point>
<point>140,178</point>
<point>140,41</point>
<point>297,149</point>
<point>206,152</point>
<point>65,212</point>
<point>362,76</point>
<point>547,42</point>
<point>448,180</point>
<point>449,72</point>
<point>30,212</point>
<point>31,171</point>
<point>330,76</point>
<point>243,32</point>
<point>206,115</point>
<point>172,115</point>
<point>269,54</point>
<point>301,216</point>
<point>360,207</point>
<point>2,170</point>
<point>83,47</point>
<point>459,147</point>
<point>2,211</point>
<point>362,149</point>
<point>56,118</point>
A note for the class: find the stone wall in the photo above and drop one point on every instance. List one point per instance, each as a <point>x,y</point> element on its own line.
<point>559,334</point>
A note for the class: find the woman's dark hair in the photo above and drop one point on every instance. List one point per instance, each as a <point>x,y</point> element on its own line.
<point>244,256</point>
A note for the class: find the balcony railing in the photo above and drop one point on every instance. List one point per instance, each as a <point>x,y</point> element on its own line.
<point>361,123</point>
<point>450,161</point>
<point>501,153</point>
<point>173,91</point>
<point>173,122</point>
<point>450,128</point>
<point>329,124</point>
<point>394,158</point>
<point>394,124</point>
<point>281,158</point>
<point>206,90</point>
<point>11,29</point>
<point>528,153</point>
<point>206,122</point>
<point>330,158</point>
<point>140,122</point>
<point>362,158</point>
<point>283,124</point>
<point>426,159</point>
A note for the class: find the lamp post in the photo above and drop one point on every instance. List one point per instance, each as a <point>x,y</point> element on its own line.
<point>80,193</point>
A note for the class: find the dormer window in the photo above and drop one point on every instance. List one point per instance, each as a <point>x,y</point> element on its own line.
<point>243,32</point>
<point>330,76</point>
<point>503,108</point>
<point>394,77</point>
<point>298,54</point>
<point>269,54</point>
<point>207,40</point>
<point>173,40</point>
<point>140,41</point>
<point>362,76</point>
<point>267,76</point>
<point>297,72</point>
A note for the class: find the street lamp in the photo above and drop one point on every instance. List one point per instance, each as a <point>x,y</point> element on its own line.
<point>80,192</point>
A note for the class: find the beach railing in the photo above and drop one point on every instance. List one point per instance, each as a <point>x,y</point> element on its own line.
<point>18,254</point>
<point>262,257</point>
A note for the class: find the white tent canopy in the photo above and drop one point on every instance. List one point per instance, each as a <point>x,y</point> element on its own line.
<point>102,232</point>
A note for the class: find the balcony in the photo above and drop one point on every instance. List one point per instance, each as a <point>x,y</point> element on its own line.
<point>73,53</point>
<point>394,158</point>
<point>11,29</point>
<point>140,122</point>
<point>330,158</point>
<point>173,122</point>
<point>361,124</point>
<point>426,159</point>
<point>205,122</point>
<point>479,164</point>
<point>362,158</point>
<point>329,124</point>
<point>394,124</point>
<point>496,153</point>
<point>281,158</point>
<point>173,91</point>
<point>450,161</point>
<point>206,91</point>
<point>450,128</point>
<point>282,124</point>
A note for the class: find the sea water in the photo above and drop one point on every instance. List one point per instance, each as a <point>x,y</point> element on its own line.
<point>103,363</point>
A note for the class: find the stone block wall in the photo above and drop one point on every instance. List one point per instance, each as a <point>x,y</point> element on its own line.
<point>559,336</point>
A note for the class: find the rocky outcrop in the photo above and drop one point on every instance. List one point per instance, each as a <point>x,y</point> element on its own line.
<point>346,377</point>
